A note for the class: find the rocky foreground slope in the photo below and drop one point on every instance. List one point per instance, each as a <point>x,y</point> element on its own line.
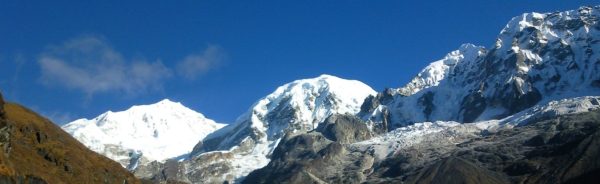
<point>35,150</point>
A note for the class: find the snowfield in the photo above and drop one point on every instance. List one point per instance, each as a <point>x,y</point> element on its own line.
<point>157,132</point>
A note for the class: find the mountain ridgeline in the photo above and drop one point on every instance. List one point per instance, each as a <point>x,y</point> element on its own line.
<point>526,110</point>
<point>531,101</point>
<point>536,58</point>
<point>143,134</point>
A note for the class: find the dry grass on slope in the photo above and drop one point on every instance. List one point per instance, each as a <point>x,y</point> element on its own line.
<point>33,149</point>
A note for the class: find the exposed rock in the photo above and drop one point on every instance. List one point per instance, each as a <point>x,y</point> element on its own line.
<point>312,158</point>
<point>552,150</point>
<point>536,55</point>
<point>291,160</point>
<point>169,172</point>
<point>457,170</point>
<point>426,101</point>
<point>472,106</point>
<point>344,129</point>
<point>372,102</point>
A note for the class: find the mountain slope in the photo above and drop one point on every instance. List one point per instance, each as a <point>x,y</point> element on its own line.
<point>232,152</point>
<point>554,149</point>
<point>145,133</point>
<point>549,143</point>
<point>298,106</point>
<point>525,111</point>
<point>35,150</point>
<point>537,58</point>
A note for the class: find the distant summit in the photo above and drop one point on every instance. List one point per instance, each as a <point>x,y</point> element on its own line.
<point>143,133</point>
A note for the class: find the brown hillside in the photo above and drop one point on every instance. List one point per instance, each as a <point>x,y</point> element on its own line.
<point>35,150</point>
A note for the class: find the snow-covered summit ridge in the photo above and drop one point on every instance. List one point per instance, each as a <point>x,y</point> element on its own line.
<point>438,70</point>
<point>158,131</point>
<point>550,22</point>
<point>315,99</point>
<point>301,105</point>
<point>298,106</point>
<point>537,57</point>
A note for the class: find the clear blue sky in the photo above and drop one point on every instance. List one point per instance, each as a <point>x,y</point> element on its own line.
<point>70,59</point>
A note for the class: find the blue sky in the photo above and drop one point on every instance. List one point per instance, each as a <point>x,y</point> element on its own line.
<point>70,59</point>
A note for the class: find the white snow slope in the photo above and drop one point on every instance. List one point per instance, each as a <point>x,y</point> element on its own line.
<point>293,107</point>
<point>157,132</point>
<point>426,134</point>
<point>537,58</point>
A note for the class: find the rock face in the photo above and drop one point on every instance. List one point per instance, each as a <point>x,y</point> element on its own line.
<point>537,57</point>
<point>525,111</point>
<point>35,150</point>
<point>556,150</point>
<point>552,149</point>
<point>299,106</point>
<point>229,154</point>
<point>457,170</point>
<point>312,158</point>
<point>344,129</point>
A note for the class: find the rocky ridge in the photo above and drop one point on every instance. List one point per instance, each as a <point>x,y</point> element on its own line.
<point>537,58</point>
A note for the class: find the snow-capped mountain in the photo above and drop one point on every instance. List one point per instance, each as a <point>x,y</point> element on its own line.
<point>437,71</point>
<point>143,133</point>
<point>525,111</point>
<point>298,106</point>
<point>542,67</point>
<point>537,58</point>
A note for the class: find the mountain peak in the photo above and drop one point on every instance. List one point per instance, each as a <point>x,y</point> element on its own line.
<point>322,83</point>
<point>324,76</point>
<point>298,106</point>
<point>538,57</point>
<point>438,70</point>
<point>148,130</point>
<point>167,101</point>
<point>164,103</point>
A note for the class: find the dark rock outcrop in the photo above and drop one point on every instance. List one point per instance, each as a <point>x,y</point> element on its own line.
<point>426,101</point>
<point>292,161</point>
<point>344,129</point>
<point>559,149</point>
<point>320,156</point>
<point>472,106</point>
<point>457,170</point>
<point>563,149</point>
